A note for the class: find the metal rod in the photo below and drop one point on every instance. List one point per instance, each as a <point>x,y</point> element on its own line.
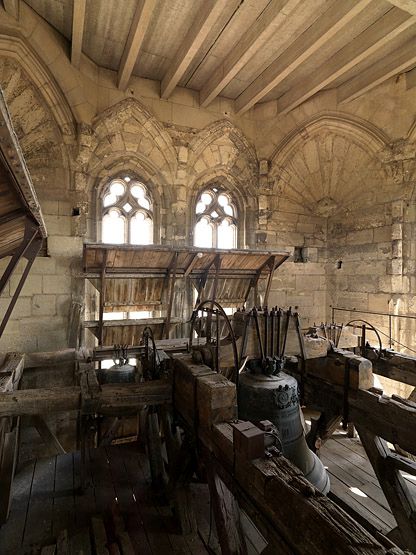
<point>217,350</point>
<point>363,340</point>
<point>266,331</point>
<point>272,322</point>
<point>279,317</point>
<point>390,338</point>
<point>288,316</point>
<point>256,321</point>
<point>373,312</point>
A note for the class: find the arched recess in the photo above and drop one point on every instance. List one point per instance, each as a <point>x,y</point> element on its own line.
<point>329,164</point>
<point>16,49</point>
<point>221,153</point>
<point>40,135</point>
<point>127,137</point>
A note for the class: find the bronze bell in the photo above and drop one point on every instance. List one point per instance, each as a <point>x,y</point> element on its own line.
<point>275,397</point>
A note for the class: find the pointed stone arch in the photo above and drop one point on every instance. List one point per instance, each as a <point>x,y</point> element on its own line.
<point>41,138</point>
<point>130,127</point>
<point>15,48</point>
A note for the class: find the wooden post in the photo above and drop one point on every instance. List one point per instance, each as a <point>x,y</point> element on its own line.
<point>8,459</point>
<point>226,515</point>
<point>172,279</point>
<point>102,300</point>
<point>154,450</point>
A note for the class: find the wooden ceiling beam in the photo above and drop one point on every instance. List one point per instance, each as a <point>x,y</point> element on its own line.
<point>398,61</point>
<point>372,39</point>
<point>198,32</point>
<point>269,22</point>
<point>326,27</point>
<point>408,6</point>
<point>78,20</point>
<point>139,26</point>
<point>12,7</point>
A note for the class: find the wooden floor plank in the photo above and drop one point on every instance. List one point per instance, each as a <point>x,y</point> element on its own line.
<point>177,541</point>
<point>39,522</point>
<point>11,533</point>
<point>126,499</point>
<point>139,476</point>
<point>63,503</point>
<point>85,500</point>
<point>349,467</point>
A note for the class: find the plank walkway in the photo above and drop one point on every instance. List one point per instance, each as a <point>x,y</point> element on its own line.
<point>354,484</point>
<point>47,500</point>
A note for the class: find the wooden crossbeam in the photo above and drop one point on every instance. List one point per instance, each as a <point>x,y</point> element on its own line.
<point>397,62</point>
<point>268,23</point>
<point>205,19</point>
<point>113,399</point>
<point>375,37</point>
<point>319,34</point>
<point>78,21</point>
<point>405,5</point>
<point>135,39</point>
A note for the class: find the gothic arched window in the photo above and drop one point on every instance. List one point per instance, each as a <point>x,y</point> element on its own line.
<point>216,219</point>
<point>127,213</point>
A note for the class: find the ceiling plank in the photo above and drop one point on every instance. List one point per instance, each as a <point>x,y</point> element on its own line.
<point>269,22</point>
<point>134,42</point>
<point>326,27</point>
<point>411,79</point>
<point>12,7</point>
<point>398,61</point>
<point>378,35</point>
<point>78,20</point>
<point>405,5</point>
<point>198,32</point>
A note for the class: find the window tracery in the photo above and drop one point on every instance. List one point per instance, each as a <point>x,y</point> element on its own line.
<point>127,213</point>
<point>216,219</point>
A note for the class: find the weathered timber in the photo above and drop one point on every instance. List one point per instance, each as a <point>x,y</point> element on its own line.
<point>8,459</point>
<point>393,420</point>
<point>11,372</point>
<point>332,368</point>
<point>202,396</point>
<point>395,366</point>
<point>113,398</point>
<point>37,360</point>
<point>48,437</point>
<point>267,482</point>
<point>56,358</point>
<point>154,449</point>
